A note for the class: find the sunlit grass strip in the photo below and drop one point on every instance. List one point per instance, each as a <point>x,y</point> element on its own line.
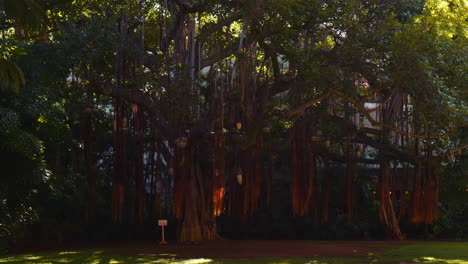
<point>430,251</point>
<point>448,261</point>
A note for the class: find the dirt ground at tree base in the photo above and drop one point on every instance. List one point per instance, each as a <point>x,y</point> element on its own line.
<point>255,249</point>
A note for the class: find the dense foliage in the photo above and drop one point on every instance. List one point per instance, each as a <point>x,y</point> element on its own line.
<point>232,115</point>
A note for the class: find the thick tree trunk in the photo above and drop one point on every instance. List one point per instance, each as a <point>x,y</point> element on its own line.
<point>193,210</point>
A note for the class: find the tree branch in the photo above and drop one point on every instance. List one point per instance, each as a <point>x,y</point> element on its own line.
<point>300,110</point>
<point>458,149</point>
<point>374,122</point>
<point>133,96</point>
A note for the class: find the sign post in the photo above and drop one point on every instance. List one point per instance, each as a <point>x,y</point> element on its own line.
<point>162,223</point>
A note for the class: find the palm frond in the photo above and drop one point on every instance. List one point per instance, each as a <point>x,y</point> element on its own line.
<point>11,76</point>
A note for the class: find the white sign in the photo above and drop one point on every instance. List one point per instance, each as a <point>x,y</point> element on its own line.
<point>162,222</point>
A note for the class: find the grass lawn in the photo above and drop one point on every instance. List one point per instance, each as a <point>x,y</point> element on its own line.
<point>421,252</point>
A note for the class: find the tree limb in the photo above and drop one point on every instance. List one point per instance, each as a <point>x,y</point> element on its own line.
<point>374,122</point>
<point>134,96</point>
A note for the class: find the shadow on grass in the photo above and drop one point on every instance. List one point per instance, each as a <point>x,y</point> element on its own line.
<point>433,253</point>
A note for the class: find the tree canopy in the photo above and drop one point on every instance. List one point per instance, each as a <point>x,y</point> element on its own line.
<point>188,109</point>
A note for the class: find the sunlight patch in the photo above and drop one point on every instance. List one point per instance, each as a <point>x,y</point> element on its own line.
<point>68,252</point>
<point>159,261</point>
<point>33,258</point>
<point>144,260</point>
<point>448,261</point>
<point>155,255</point>
<point>62,260</point>
<point>20,258</point>
<point>196,261</point>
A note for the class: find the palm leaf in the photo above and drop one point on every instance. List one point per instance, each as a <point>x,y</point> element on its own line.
<point>11,76</point>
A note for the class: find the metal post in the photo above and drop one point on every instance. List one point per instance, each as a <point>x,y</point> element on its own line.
<point>163,242</point>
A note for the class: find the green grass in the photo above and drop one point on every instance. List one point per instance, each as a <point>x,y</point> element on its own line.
<point>433,253</point>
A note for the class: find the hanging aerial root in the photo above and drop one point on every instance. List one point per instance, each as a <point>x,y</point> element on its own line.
<point>179,183</point>
<point>303,174</point>
<point>218,175</point>
<point>386,210</point>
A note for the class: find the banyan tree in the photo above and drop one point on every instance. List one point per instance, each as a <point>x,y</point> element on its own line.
<point>208,95</point>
